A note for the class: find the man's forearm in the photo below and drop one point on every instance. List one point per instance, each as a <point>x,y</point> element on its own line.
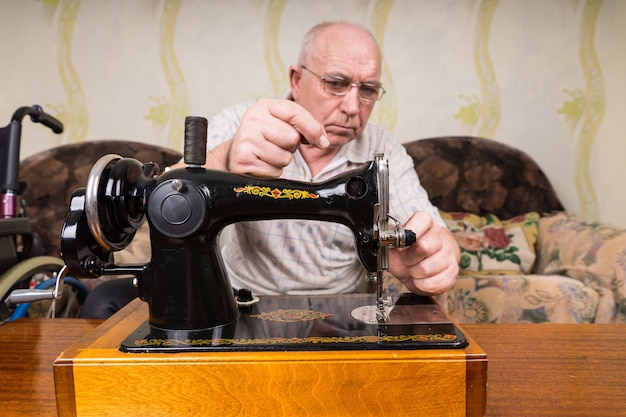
<point>217,158</point>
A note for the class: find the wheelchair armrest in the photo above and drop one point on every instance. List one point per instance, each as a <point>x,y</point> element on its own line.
<point>14,226</point>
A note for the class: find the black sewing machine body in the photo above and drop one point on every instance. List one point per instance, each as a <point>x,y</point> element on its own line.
<point>185,283</point>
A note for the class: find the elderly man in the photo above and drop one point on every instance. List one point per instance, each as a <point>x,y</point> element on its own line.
<point>320,130</point>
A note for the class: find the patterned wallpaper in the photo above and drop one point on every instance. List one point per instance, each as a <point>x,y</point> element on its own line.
<point>544,76</point>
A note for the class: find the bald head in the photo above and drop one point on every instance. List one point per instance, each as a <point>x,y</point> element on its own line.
<point>329,38</point>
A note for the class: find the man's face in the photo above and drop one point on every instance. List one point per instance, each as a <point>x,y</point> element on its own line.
<point>350,55</point>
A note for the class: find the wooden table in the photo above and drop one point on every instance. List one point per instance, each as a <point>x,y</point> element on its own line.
<point>534,369</point>
<point>28,348</point>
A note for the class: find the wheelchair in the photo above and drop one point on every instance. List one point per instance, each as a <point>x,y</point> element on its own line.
<point>26,276</point>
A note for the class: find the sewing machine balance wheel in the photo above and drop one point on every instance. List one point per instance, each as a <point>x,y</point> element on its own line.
<point>113,200</point>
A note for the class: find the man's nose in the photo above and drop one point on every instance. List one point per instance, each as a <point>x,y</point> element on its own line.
<point>351,103</point>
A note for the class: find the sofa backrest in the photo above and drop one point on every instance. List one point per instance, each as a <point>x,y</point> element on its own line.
<point>481,176</point>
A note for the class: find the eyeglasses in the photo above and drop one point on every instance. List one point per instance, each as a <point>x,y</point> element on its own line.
<point>339,86</point>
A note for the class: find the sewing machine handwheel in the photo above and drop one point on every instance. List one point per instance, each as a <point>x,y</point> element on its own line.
<point>111,205</point>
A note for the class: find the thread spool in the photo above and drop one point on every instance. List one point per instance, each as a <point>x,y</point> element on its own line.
<point>195,140</point>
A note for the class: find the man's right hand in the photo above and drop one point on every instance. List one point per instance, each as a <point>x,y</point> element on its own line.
<point>269,134</point>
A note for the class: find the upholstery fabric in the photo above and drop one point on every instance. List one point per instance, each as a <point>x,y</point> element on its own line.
<point>491,246</point>
<point>578,268</point>
<point>522,299</point>
<point>481,176</point>
<point>597,259</point>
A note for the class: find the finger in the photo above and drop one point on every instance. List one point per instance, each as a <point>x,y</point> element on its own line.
<point>437,283</point>
<point>282,134</point>
<point>262,158</point>
<point>432,274</point>
<point>420,223</point>
<point>259,124</point>
<point>430,241</point>
<point>295,115</point>
<point>425,262</point>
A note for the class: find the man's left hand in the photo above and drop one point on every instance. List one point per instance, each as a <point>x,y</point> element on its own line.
<point>430,266</point>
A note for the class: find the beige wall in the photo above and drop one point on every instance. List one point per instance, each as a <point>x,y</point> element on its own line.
<point>545,76</point>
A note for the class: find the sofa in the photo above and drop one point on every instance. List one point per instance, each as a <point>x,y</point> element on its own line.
<point>524,258</point>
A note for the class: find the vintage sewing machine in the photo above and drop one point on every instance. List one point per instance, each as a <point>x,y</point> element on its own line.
<point>231,350</point>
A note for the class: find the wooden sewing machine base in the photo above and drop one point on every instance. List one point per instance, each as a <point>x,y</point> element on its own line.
<point>311,373</point>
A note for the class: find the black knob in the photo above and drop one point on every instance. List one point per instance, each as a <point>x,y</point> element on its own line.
<point>177,208</point>
<point>244,295</point>
<point>409,237</point>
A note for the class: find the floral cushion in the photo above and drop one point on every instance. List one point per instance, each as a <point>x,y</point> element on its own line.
<point>491,246</point>
<point>522,299</point>
<point>589,252</point>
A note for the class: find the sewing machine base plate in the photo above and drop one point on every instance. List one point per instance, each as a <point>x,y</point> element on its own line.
<point>97,377</point>
<point>287,323</point>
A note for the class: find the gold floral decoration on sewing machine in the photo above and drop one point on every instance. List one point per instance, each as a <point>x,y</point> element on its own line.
<point>276,193</point>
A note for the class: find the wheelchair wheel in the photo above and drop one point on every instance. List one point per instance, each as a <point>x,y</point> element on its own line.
<point>26,269</point>
<point>20,274</point>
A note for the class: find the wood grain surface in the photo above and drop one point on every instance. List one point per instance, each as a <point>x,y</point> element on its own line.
<point>258,383</point>
<point>534,370</point>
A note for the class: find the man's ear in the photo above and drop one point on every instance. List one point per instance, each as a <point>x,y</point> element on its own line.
<point>295,76</point>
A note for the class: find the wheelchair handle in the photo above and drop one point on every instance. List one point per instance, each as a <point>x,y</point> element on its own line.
<point>37,115</point>
<point>10,137</point>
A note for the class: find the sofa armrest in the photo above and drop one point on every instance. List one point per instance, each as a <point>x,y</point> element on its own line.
<point>591,252</point>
